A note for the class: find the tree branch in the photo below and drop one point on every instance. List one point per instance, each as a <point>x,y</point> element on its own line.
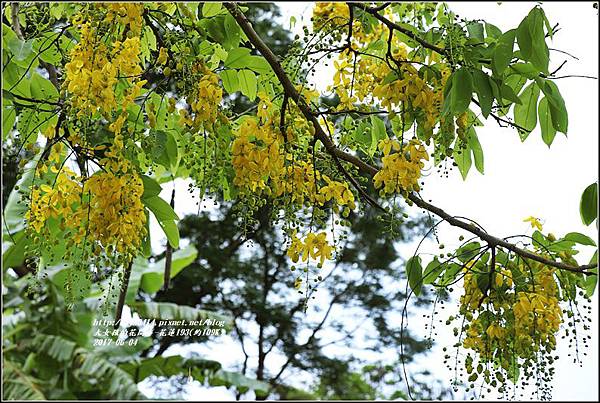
<point>332,149</point>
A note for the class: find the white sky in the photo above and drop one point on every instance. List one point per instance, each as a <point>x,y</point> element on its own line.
<point>521,179</point>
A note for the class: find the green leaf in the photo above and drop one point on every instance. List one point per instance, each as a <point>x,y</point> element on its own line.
<point>414,272</point>
<point>508,92</point>
<point>248,84</point>
<point>151,187</point>
<point>503,52</point>
<point>588,206</point>
<point>462,157</point>
<point>14,255</point>
<point>172,233</point>
<point>532,41</point>
<point>378,132</point>
<point>150,276</point>
<point>461,91</point>
<point>118,383</point>
<point>483,88</point>
<point>56,347</point>
<point>450,274</point>
<point>20,49</point>
<point>232,32</point>
<point>43,89</point>
<point>13,220</point>
<point>170,366</point>
<point>492,30</point>
<point>432,271</point>
<point>165,216</point>
<point>259,65</point>
<point>526,112</point>
<point>31,122</point>
<point>160,208</point>
<point>579,238</point>
<point>475,30</point>
<point>548,130</point>
<point>8,118</point>
<point>592,280</point>
<point>46,48</point>
<point>238,58</point>
<point>210,9</point>
<point>556,104</point>
<point>241,382</point>
<point>476,149</point>
<point>527,70</point>
<point>468,251</point>
<point>230,80</point>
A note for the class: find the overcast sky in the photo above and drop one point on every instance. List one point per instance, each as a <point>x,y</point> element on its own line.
<point>521,179</point>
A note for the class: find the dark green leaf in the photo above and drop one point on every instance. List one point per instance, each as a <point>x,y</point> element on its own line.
<point>468,251</point>
<point>503,52</point>
<point>588,206</point>
<point>476,149</point>
<point>475,30</point>
<point>414,272</point>
<point>461,91</point>
<point>483,88</point>
<point>548,130</point>
<point>556,104</point>
<point>462,157</point>
<point>492,30</point>
<point>526,112</point>
<point>579,238</point>
<point>151,187</point>
<point>432,271</point>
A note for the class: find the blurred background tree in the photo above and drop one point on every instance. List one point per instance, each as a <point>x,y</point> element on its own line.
<point>357,307</point>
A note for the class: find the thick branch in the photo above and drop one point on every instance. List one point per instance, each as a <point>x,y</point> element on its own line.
<point>332,149</point>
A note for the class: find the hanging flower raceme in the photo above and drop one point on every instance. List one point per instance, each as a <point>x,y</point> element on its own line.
<point>58,198</point>
<point>205,98</point>
<point>508,325</point>
<point>256,155</point>
<point>95,67</point>
<point>401,170</point>
<point>330,14</point>
<point>314,246</point>
<point>127,14</point>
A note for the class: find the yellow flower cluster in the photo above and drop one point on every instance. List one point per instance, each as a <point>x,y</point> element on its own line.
<point>313,246</point>
<point>256,155</point>
<point>395,85</point>
<point>104,210</point>
<point>206,98</point>
<point>261,164</point>
<point>401,170</point>
<point>369,80</point>
<point>128,14</point>
<point>94,69</point>
<point>58,200</point>
<point>116,215</point>
<point>90,76</point>
<point>507,324</point>
<point>334,13</point>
